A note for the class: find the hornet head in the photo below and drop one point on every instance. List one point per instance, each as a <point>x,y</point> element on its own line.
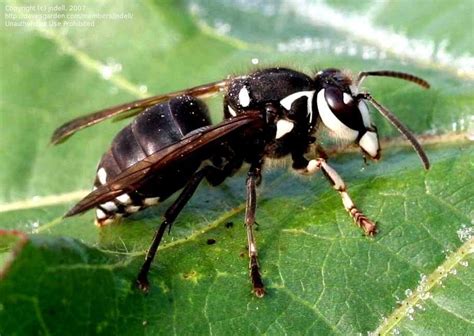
<point>343,110</point>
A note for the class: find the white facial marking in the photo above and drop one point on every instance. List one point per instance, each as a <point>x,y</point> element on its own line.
<point>288,101</point>
<point>364,110</point>
<point>232,111</point>
<point>102,175</point>
<point>244,98</point>
<point>347,98</point>
<point>109,206</point>
<point>370,143</point>
<point>151,201</point>
<point>331,121</point>
<point>283,127</point>
<point>132,208</point>
<point>124,199</point>
<point>99,214</point>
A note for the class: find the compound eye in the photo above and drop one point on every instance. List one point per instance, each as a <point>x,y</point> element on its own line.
<point>344,108</point>
<point>337,100</point>
<point>336,115</point>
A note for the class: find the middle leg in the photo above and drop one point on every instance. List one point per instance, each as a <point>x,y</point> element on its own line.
<point>254,175</point>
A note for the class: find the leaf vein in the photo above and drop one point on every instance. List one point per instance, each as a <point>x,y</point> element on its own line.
<point>311,307</point>
<point>451,312</point>
<point>421,293</point>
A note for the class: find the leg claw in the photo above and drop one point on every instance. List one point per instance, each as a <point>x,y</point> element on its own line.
<point>143,285</point>
<point>259,292</point>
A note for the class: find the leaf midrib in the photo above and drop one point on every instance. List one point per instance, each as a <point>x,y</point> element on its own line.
<point>432,281</point>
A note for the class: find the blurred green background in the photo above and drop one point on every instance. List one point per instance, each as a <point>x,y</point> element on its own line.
<point>61,59</point>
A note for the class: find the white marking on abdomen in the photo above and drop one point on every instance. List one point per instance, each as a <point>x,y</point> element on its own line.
<point>102,175</point>
<point>283,127</point>
<point>244,97</point>
<point>124,199</point>
<point>99,214</point>
<point>132,208</point>
<point>151,201</point>
<point>331,121</point>
<point>288,101</point>
<point>109,206</point>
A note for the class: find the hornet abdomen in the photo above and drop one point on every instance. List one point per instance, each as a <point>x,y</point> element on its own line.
<point>155,128</point>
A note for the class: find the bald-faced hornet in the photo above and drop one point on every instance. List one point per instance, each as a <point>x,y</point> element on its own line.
<point>271,113</point>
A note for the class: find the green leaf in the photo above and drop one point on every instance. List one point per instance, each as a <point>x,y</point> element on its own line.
<point>322,275</point>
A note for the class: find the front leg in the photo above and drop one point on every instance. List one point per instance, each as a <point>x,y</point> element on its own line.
<point>254,175</point>
<point>335,179</point>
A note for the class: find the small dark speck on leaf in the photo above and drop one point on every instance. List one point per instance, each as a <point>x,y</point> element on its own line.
<point>211,241</point>
<point>229,225</point>
<point>242,254</point>
<point>189,275</point>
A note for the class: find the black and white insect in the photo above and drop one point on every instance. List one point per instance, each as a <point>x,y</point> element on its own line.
<point>272,113</point>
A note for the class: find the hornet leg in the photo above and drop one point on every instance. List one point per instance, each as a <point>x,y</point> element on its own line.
<point>333,177</point>
<point>170,216</point>
<point>253,177</point>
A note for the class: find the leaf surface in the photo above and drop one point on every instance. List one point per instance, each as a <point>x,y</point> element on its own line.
<point>323,276</point>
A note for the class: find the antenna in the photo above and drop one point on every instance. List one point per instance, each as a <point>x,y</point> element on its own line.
<point>394,74</point>
<point>400,127</point>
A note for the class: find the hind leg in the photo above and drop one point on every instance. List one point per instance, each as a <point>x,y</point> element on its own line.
<point>170,216</point>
